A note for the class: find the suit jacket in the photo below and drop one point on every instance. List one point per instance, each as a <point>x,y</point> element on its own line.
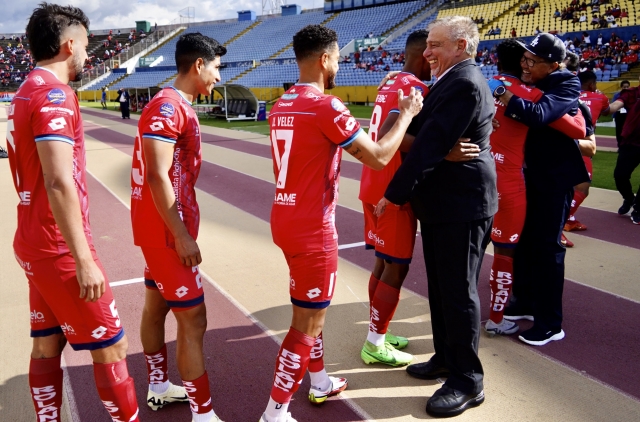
<point>459,105</point>
<point>553,160</point>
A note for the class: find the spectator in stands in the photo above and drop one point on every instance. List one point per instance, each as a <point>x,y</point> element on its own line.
<point>123,99</point>
<point>595,21</point>
<point>513,33</point>
<point>498,30</point>
<point>490,32</point>
<point>583,18</point>
<point>556,14</point>
<point>624,14</point>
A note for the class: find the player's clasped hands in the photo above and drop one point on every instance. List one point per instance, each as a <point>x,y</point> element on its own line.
<point>412,103</point>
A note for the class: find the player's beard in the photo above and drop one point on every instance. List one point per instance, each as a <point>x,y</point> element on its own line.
<point>77,63</point>
<point>331,83</point>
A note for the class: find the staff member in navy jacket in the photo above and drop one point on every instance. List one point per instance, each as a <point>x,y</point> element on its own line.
<point>553,166</point>
<point>455,203</point>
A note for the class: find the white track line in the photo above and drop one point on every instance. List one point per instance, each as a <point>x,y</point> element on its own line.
<point>125,282</point>
<point>351,245</point>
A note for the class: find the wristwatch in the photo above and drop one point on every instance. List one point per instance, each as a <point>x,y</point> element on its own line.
<point>499,91</point>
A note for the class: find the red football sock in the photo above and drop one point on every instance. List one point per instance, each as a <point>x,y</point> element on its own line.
<point>383,307</point>
<point>199,394</point>
<point>501,280</point>
<point>116,390</point>
<point>578,198</point>
<point>291,364</point>
<point>157,367</point>
<point>316,361</point>
<point>373,285</point>
<point>45,384</point>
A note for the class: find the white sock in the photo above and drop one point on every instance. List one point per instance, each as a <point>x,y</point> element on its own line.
<point>320,380</point>
<point>375,338</point>
<point>275,411</point>
<point>159,388</point>
<point>203,417</point>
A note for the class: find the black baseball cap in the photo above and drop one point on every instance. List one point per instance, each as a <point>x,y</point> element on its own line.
<point>547,46</point>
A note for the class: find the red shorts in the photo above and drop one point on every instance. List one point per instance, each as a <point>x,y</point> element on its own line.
<point>509,220</point>
<point>588,162</point>
<point>180,286</point>
<point>56,307</point>
<point>312,278</point>
<point>393,234</point>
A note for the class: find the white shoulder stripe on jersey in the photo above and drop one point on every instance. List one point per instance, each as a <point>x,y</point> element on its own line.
<point>351,138</point>
<point>159,138</point>
<point>55,138</point>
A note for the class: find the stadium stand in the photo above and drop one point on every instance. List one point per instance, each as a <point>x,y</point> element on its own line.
<point>399,42</point>
<point>144,79</point>
<point>488,11</point>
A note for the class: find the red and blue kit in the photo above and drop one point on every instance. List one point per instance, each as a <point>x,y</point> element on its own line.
<point>393,234</point>
<point>308,129</point>
<point>597,102</point>
<point>168,118</point>
<point>46,110</point>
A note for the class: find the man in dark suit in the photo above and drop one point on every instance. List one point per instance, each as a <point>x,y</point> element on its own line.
<point>455,202</point>
<point>123,98</point>
<point>554,166</point>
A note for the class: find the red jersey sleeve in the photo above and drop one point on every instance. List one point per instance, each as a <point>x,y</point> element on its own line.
<point>605,104</point>
<point>628,97</point>
<point>54,115</point>
<point>162,122</point>
<point>337,123</point>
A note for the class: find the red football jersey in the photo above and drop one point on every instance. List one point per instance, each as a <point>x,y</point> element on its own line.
<point>597,102</point>
<point>307,130</point>
<point>373,183</point>
<point>43,109</point>
<point>170,118</point>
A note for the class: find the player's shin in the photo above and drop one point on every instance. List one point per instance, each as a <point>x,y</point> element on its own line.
<point>373,285</point>
<point>578,199</point>
<point>157,370</point>
<point>291,364</point>
<point>45,385</point>
<point>501,281</point>
<point>383,307</point>
<point>116,390</point>
<point>200,398</point>
<point>319,378</point>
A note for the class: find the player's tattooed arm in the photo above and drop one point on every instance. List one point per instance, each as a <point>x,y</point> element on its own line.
<point>355,151</point>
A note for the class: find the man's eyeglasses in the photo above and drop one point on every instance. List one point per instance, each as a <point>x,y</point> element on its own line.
<point>530,62</point>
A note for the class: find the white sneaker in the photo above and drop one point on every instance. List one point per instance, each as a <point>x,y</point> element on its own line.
<point>337,386</point>
<point>263,418</point>
<point>505,328</point>
<point>173,394</point>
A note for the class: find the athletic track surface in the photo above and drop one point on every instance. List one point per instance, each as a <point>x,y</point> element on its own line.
<point>589,376</point>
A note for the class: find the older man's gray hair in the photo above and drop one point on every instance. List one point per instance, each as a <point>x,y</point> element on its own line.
<point>460,28</point>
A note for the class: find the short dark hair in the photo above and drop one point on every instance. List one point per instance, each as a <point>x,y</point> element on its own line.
<point>193,46</point>
<point>312,40</point>
<point>510,53</point>
<point>587,76</point>
<point>572,61</point>
<point>625,82</point>
<point>46,25</point>
<point>417,37</point>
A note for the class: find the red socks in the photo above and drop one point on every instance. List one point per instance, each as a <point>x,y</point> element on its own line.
<point>199,394</point>
<point>501,280</point>
<point>157,368</point>
<point>383,306</point>
<point>291,364</point>
<point>116,390</point>
<point>373,285</point>
<point>45,384</point>
<point>316,361</point>
<point>578,198</point>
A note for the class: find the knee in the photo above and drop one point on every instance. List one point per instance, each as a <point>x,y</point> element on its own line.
<point>48,347</point>
<point>193,322</point>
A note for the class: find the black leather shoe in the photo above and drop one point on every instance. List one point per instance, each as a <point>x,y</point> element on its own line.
<point>427,371</point>
<point>448,402</point>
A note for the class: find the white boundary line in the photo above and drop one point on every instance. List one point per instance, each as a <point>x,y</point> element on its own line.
<point>125,282</point>
<point>351,245</point>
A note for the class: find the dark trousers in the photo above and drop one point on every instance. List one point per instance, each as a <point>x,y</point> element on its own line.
<point>538,278</point>
<point>124,108</point>
<point>453,255</point>
<point>628,160</point>
<point>619,119</point>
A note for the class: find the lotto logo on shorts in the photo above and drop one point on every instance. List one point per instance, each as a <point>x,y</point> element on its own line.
<point>314,293</point>
<point>285,376</point>
<point>37,317</point>
<point>98,332</point>
<point>182,291</point>
<point>513,237</point>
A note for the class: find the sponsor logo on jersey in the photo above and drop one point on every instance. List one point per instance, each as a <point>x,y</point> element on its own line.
<point>25,197</point>
<point>46,405</point>
<point>498,158</point>
<point>39,80</point>
<point>391,82</point>
<point>163,119</point>
<point>285,104</point>
<point>286,366</point>
<point>156,126</point>
<point>37,317</point>
<point>167,110</point>
<point>381,98</point>
<point>337,104</point>
<point>56,96</point>
<point>289,96</point>
<point>68,330</point>
<point>405,80</point>
<point>496,231</point>
<point>57,123</point>
<point>57,110</point>
<point>372,236</point>
<point>284,198</point>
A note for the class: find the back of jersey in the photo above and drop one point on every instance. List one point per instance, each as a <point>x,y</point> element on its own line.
<point>307,130</point>
<point>43,110</point>
<point>374,183</point>
<point>597,102</point>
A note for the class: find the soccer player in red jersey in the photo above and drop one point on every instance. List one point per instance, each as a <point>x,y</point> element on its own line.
<point>393,234</point>
<point>308,131</point>
<point>507,148</point>
<point>165,218</point>
<point>69,296</point>
<point>598,104</point>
